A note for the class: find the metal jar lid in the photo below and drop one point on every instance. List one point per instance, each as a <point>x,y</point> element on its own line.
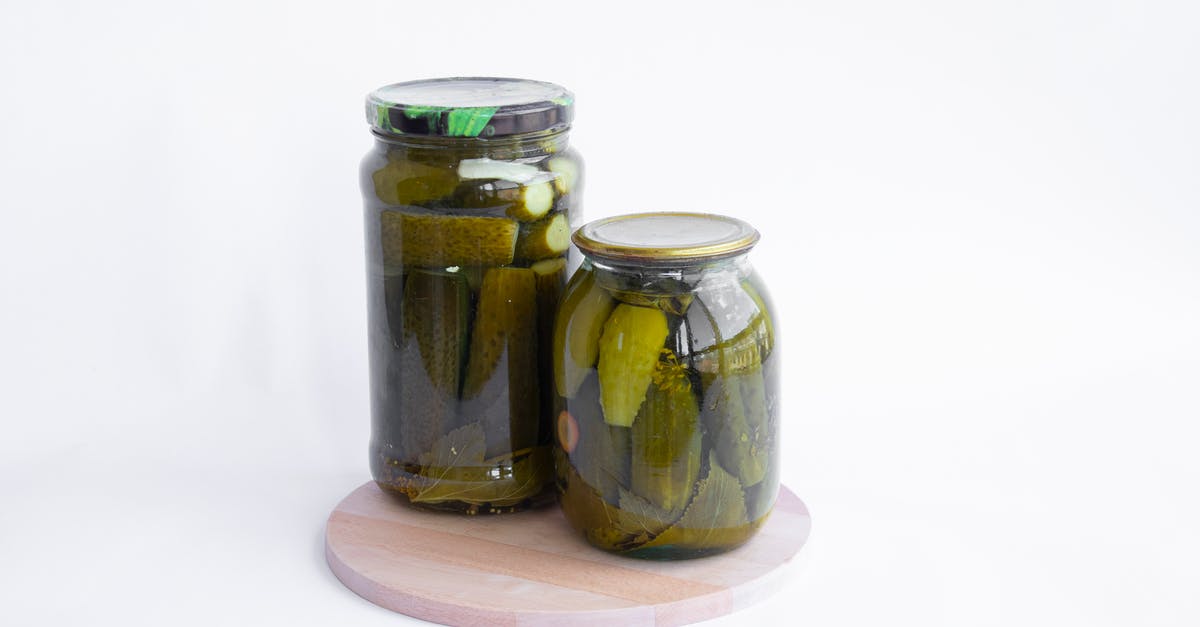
<point>469,107</point>
<point>665,238</point>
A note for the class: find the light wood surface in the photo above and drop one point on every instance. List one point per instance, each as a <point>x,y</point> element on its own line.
<point>531,568</point>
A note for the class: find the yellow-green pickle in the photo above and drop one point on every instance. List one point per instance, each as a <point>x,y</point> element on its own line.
<point>666,373</point>
<point>470,195</point>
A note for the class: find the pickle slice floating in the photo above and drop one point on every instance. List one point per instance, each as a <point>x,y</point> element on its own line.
<point>629,348</point>
<point>502,373</point>
<point>666,438</point>
<point>446,240</point>
<point>566,173</point>
<point>549,237</point>
<point>525,202</point>
<point>577,331</point>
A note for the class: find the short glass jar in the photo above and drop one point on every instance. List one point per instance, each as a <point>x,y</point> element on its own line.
<point>667,371</point>
<point>470,195</point>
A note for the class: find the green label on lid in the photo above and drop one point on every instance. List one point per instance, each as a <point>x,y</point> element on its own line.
<point>460,121</point>
<point>469,122</point>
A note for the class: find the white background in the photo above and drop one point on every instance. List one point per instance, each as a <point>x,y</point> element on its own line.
<point>981,226</point>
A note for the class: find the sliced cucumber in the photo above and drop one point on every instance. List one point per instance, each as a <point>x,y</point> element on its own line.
<point>525,202</point>
<point>566,173</point>
<point>548,237</point>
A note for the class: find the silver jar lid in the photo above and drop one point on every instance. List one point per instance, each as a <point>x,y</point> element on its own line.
<point>666,237</point>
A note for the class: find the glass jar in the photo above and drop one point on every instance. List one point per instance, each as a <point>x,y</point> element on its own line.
<point>470,195</point>
<point>667,371</point>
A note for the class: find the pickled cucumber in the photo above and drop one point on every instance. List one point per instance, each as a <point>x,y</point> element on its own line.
<point>743,437</point>
<point>577,326</point>
<point>762,321</point>
<point>629,349</point>
<point>602,451</point>
<point>501,383</point>
<point>404,182</point>
<point>670,294</point>
<point>525,202</point>
<point>436,314</point>
<point>735,402</point>
<point>446,240</point>
<point>715,520</point>
<point>666,438</point>
<point>760,497</point>
<point>426,411</point>
<point>548,237</point>
<point>550,277</point>
<point>428,319</point>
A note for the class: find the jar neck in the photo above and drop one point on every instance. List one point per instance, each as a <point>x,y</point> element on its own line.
<point>648,277</point>
<point>521,146</point>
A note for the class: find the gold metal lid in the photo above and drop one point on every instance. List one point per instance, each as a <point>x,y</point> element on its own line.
<point>665,237</point>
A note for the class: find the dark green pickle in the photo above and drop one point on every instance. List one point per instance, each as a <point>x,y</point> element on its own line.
<point>667,441</point>
<point>469,199</point>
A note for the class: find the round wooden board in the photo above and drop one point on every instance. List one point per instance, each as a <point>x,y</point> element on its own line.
<point>531,568</point>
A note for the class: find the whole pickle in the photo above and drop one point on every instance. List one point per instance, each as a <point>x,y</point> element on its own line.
<point>579,322</point>
<point>446,240</point>
<point>550,277</point>
<point>666,438</point>
<point>404,182</point>
<point>629,348</point>
<point>714,521</point>
<point>735,402</point>
<point>501,383</point>
<point>601,453</point>
<point>436,314</point>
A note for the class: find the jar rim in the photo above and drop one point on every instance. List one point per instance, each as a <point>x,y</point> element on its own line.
<point>665,237</point>
<point>469,107</point>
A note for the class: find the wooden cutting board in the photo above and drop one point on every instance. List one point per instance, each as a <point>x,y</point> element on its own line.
<point>531,568</point>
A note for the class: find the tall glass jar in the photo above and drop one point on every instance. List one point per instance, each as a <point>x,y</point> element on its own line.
<point>667,371</point>
<point>470,195</point>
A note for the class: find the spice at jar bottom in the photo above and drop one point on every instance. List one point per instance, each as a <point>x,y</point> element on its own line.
<point>470,194</point>
<point>666,369</point>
